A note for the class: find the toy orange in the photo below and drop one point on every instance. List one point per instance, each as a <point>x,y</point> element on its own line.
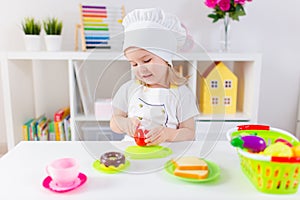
<point>296,150</point>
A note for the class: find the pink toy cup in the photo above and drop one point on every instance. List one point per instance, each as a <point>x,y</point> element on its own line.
<point>63,171</point>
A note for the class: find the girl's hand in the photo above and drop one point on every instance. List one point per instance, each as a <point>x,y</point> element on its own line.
<point>130,125</point>
<point>156,136</point>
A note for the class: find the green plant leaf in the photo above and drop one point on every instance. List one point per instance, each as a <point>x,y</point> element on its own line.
<point>215,17</point>
<point>234,16</point>
<point>212,16</point>
<point>30,26</point>
<point>53,26</point>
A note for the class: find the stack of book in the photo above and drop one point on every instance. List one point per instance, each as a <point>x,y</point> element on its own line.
<point>43,129</point>
<point>36,129</point>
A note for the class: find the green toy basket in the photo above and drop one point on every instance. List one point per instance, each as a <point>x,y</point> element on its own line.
<point>275,175</point>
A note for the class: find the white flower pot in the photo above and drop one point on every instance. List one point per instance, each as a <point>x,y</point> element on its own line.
<point>32,42</point>
<point>53,42</point>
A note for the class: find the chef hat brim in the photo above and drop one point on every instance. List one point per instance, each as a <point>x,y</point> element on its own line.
<point>160,42</point>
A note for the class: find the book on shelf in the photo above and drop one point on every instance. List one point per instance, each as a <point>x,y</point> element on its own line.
<point>59,117</point>
<point>30,128</point>
<point>62,129</point>
<point>43,129</point>
<point>40,120</point>
<point>67,128</point>
<point>61,114</point>
<point>26,129</point>
<point>51,131</point>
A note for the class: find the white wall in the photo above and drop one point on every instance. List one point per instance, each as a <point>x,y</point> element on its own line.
<point>270,27</point>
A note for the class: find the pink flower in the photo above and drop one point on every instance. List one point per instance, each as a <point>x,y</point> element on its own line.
<point>235,8</point>
<point>211,3</point>
<point>224,5</point>
<point>242,2</point>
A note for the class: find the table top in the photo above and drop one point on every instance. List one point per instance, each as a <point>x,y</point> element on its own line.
<point>22,171</point>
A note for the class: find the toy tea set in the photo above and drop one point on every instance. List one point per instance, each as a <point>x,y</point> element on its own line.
<point>269,157</point>
<point>63,175</point>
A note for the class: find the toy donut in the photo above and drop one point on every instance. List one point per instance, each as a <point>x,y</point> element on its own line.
<point>112,159</point>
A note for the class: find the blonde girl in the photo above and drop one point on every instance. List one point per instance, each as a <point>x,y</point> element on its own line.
<point>157,98</point>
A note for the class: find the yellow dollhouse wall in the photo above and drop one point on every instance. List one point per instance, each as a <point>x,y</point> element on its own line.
<point>218,91</point>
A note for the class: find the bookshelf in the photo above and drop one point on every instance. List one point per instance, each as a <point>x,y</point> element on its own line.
<point>41,82</point>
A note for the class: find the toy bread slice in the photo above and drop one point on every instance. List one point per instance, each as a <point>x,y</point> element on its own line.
<point>190,163</point>
<point>195,174</point>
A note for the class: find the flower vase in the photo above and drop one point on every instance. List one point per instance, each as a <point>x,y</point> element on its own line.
<point>225,34</point>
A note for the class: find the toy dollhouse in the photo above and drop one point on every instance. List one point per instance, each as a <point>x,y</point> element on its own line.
<point>218,90</point>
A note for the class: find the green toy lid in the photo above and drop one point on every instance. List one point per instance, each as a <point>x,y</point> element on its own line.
<point>147,152</point>
<point>111,169</point>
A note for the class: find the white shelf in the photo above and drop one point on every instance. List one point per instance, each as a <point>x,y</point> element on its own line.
<point>239,116</point>
<point>218,56</point>
<point>64,55</point>
<point>216,117</point>
<point>109,55</point>
<point>22,96</point>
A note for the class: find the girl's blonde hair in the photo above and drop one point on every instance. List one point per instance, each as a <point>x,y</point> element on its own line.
<point>175,78</point>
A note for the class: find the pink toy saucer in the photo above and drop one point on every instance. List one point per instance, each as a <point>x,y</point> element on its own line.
<point>48,183</point>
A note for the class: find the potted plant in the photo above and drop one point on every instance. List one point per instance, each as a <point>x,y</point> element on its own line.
<point>53,29</point>
<point>32,30</point>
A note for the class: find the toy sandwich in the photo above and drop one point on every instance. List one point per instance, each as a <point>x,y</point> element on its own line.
<point>191,167</point>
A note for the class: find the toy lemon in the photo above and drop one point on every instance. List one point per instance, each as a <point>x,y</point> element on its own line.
<point>278,149</point>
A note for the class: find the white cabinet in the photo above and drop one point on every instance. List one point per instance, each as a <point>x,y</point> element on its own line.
<point>42,82</point>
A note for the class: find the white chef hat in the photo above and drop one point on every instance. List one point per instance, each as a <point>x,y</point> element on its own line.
<point>155,31</point>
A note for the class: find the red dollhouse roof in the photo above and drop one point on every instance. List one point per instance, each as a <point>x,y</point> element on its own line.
<point>209,69</point>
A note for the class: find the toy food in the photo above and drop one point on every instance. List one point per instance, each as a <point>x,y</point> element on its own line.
<point>253,143</point>
<point>196,174</point>
<point>191,167</point>
<point>112,159</point>
<point>190,163</point>
<point>284,141</point>
<point>139,136</point>
<point>278,149</point>
<point>296,150</point>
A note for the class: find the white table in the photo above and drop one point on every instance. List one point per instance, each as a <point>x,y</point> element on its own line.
<point>22,171</point>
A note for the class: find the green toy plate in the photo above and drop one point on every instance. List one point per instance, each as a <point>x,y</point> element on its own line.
<point>111,169</point>
<point>214,172</point>
<point>147,152</point>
